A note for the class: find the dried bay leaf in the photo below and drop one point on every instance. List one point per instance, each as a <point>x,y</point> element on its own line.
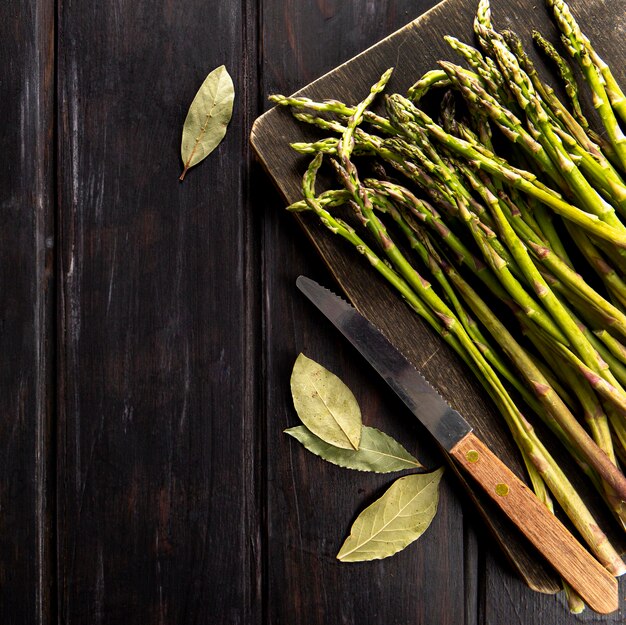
<point>395,520</point>
<point>208,117</point>
<point>325,404</point>
<point>377,451</point>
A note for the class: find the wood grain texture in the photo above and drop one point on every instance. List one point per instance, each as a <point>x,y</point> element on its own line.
<point>174,496</point>
<point>26,332</point>
<point>412,50</point>
<point>156,502</point>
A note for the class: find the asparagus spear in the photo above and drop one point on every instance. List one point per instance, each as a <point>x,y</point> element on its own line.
<point>566,74</point>
<point>433,78</point>
<point>579,50</point>
<point>581,46</point>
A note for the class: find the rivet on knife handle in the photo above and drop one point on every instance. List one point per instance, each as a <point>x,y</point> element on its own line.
<point>573,562</point>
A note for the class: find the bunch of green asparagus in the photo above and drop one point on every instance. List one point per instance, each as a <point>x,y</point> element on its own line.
<point>510,200</point>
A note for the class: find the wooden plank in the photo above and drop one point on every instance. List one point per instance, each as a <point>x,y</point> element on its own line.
<point>26,331</point>
<point>156,502</point>
<point>412,50</point>
<point>310,503</point>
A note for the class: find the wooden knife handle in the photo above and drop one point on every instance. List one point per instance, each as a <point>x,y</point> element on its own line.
<point>572,561</point>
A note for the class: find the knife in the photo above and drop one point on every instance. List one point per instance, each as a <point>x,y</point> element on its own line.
<point>596,586</point>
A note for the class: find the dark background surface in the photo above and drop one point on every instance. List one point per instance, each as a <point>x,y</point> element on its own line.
<point>149,330</point>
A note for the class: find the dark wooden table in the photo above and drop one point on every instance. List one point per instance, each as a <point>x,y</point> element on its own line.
<point>148,332</point>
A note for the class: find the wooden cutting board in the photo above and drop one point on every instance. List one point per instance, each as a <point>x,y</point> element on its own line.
<point>412,51</point>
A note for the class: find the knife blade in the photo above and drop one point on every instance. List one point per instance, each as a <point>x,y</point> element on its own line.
<point>579,568</point>
<point>439,418</point>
